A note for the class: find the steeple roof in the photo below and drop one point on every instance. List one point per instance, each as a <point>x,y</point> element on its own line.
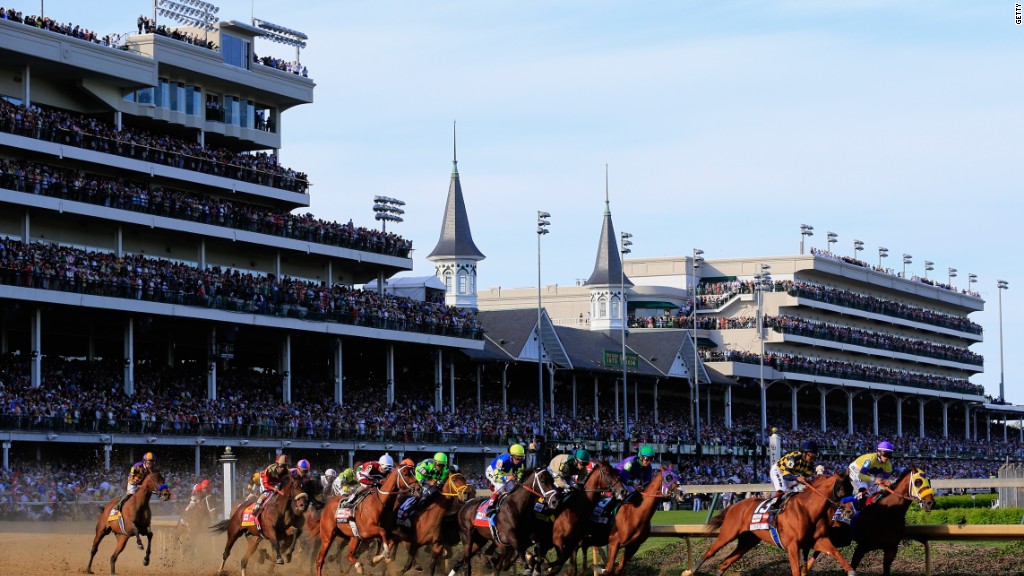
<point>456,240</point>
<point>608,267</point>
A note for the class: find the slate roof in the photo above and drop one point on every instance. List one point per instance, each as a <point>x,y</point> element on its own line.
<point>456,240</point>
<point>608,266</point>
<point>586,350</point>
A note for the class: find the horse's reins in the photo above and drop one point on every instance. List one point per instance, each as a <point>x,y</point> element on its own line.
<point>406,488</point>
<point>604,474</point>
<point>820,493</point>
<point>458,490</point>
<point>542,494</point>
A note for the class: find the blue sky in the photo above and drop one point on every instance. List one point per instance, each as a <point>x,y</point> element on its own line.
<point>896,123</point>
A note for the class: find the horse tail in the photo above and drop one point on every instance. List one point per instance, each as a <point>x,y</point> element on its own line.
<point>715,523</point>
<point>221,526</point>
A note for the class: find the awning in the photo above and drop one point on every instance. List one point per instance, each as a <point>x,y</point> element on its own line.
<point>648,304</point>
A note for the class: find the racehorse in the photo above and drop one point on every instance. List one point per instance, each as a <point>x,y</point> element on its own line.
<point>632,523</point>
<point>372,517</point>
<point>570,524</point>
<point>274,522</point>
<point>512,521</point>
<point>801,525</point>
<point>880,525</point>
<point>134,519</point>
<point>426,526</point>
<point>312,503</point>
<point>192,523</point>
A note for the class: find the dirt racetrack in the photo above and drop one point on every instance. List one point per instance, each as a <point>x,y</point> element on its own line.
<point>55,548</point>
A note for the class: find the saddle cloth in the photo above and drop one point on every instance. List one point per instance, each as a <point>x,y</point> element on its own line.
<point>344,514</point>
<point>480,517</point>
<point>247,516</point>
<point>605,510</point>
<point>405,512</point>
<point>761,519</point>
<point>114,515</point>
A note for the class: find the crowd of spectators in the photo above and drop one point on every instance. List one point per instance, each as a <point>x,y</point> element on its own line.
<point>792,363</point>
<point>150,27</point>
<point>91,133</point>
<point>68,29</point>
<point>295,67</point>
<point>890,271</point>
<point>67,269</point>
<point>138,196</point>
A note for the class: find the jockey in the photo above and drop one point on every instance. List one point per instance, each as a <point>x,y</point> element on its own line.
<point>505,468</point>
<point>136,475</point>
<point>271,479</point>
<point>327,481</point>
<point>407,463</point>
<point>345,483</point>
<point>793,467</point>
<point>370,474</point>
<point>301,470</point>
<point>254,487</point>
<point>871,470</point>
<point>568,468</point>
<point>199,492</point>
<point>431,473</point>
<point>636,472</point>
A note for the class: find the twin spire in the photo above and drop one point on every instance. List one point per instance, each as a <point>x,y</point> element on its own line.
<point>456,239</point>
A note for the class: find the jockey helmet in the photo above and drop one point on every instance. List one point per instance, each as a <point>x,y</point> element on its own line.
<point>148,457</point>
<point>885,447</point>
<point>809,446</point>
<point>303,465</point>
<point>407,462</point>
<point>647,451</point>
<point>331,473</point>
<point>775,430</point>
<point>282,459</point>
<point>348,476</point>
<point>205,484</point>
<point>517,450</point>
<point>441,458</point>
<point>386,462</point>
<point>582,455</point>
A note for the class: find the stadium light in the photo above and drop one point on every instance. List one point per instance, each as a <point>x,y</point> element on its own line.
<point>971,279</point>
<point>949,278</point>
<point>698,261</point>
<point>907,259</point>
<point>882,253</point>
<point>542,229</point>
<point>805,231</point>
<point>194,13</point>
<point>858,246</point>
<point>1001,285</point>
<point>762,282</point>
<point>832,239</point>
<point>282,35</point>
<point>387,210</point>
<point>624,249</point>
<point>928,267</point>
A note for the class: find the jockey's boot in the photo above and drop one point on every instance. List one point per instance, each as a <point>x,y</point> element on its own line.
<point>122,501</point>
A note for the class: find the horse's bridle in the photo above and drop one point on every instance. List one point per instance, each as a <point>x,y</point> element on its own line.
<point>835,498</point>
<point>540,492</point>
<point>917,493</point>
<point>457,491</point>
<point>406,486</point>
<point>604,476</point>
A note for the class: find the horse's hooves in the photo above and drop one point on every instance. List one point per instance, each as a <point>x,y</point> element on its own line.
<point>145,561</point>
<point>358,567</point>
<point>280,561</point>
<point>141,547</point>
<point>687,573</point>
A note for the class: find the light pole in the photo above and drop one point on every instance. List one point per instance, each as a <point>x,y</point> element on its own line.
<point>907,259</point>
<point>762,281</point>
<point>971,279</point>
<point>624,249</point>
<point>698,259</point>
<point>805,231</point>
<point>882,253</point>
<point>949,278</point>
<point>858,246</point>
<point>1002,285</point>
<point>542,229</point>
<point>387,209</point>
<point>832,239</point>
<point>928,267</point>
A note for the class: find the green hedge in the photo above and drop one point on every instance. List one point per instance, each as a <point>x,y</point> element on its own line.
<point>966,516</point>
<point>965,501</point>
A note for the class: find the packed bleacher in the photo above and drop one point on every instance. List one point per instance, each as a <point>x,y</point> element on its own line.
<point>295,67</point>
<point>67,269</point>
<point>929,281</point>
<point>148,26</point>
<point>65,29</point>
<point>792,363</point>
<point>137,196</point>
<point>81,131</point>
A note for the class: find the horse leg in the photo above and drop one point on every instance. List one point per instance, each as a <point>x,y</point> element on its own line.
<point>353,559</point>
<point>122,539</point>
<point>251,545</point>
<point>232,537</point>
<point>325,545</point>
<point>149,546</point>
<point>793,553</point>
<point>101,531</point>
<point>745,543</point>
<point>889,555</point>
<point>627,553</point>
<point>858,555</point>
<point>825,545</point>
<point>410,550</point>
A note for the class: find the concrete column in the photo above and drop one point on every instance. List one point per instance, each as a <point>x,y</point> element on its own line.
<point>617,400</point>
<point>106,457</point>
<point>479,404</point>
<point>129,356</point>
<point>119,241</point>
<point>389,373</point>
<point>874,409</point>
<point>351,458</point>
<point>329,274</point>
<point>451,385</point>
<point>988,427</point>
<point>277,265</point>
<point>438,382</point>
<point>920,416</point>
<point>655,400</point>
<point>504,388</point>
<point>574,398</point>
<point>824,393</point>
<point>285,370</point>
<point>7,455</point>
<point>551,391</point>
<point>793,390</point>
<point>596,398</point>
<point>36,355</point>
<point>849,412</point>
<point>339,373</point>
<point>197,459</point>
<point>899,416</point>
<point>26,84</point>
<point>945,419</point>
<point>228,462</point>
<point>211,375</point>
<point>728,406</point>
<point>26,227</point>
<point>117,120</point>
<point>967,421</point>
<point>201,257</point>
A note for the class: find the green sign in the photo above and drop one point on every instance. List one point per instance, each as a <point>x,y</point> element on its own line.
<point>614,360</point>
